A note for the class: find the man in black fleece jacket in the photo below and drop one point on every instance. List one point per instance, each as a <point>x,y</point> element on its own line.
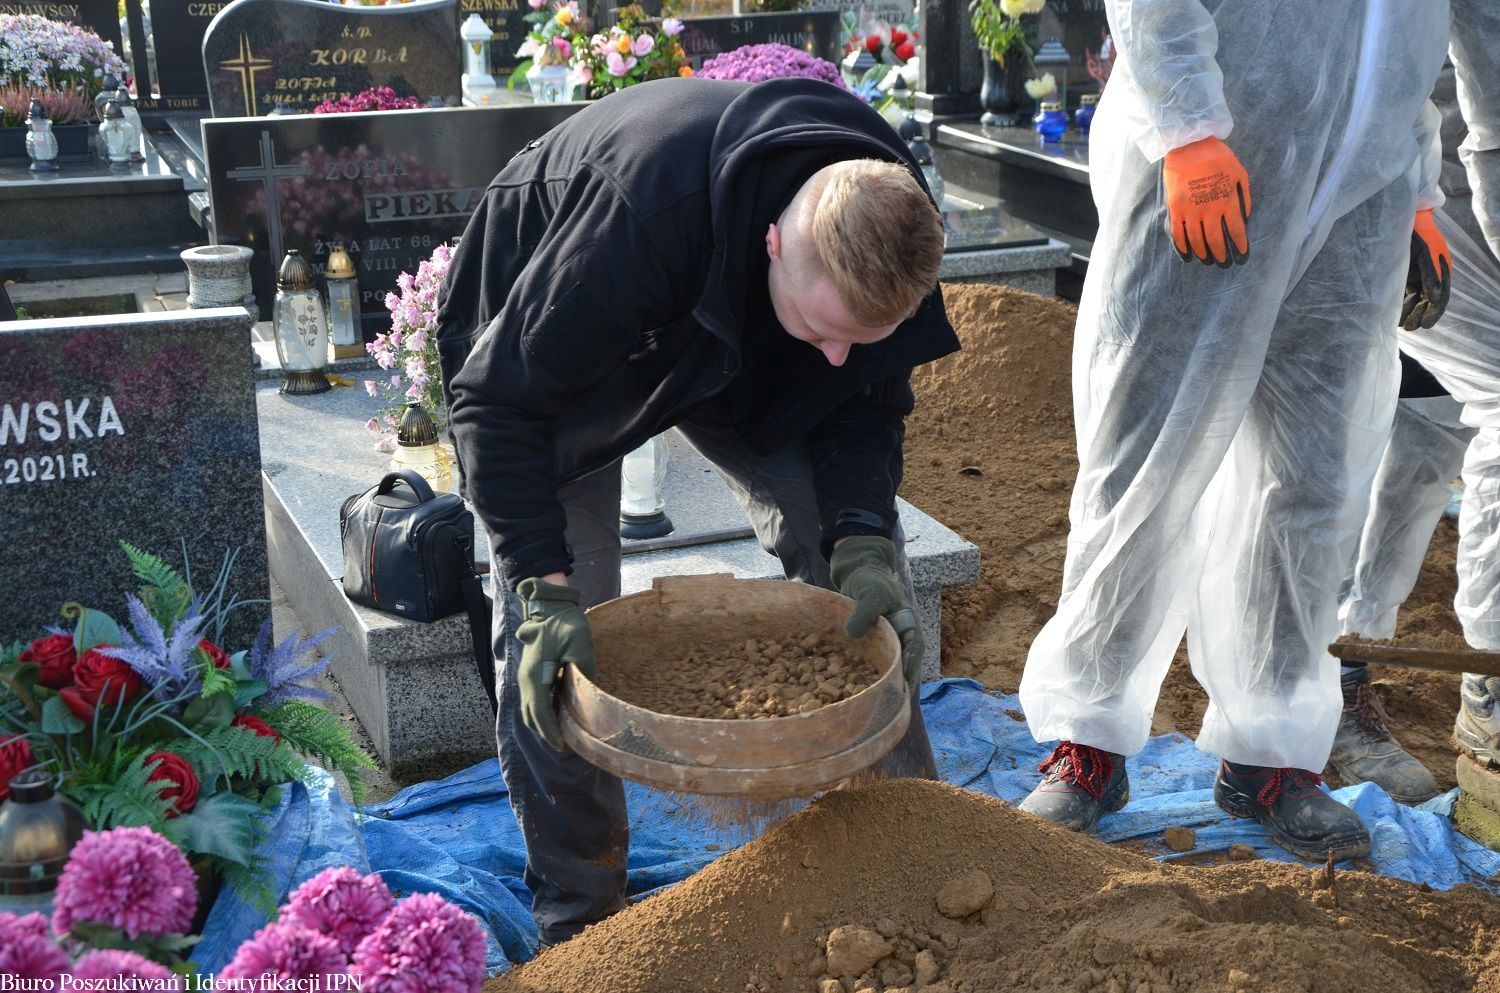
<point>753,264</point>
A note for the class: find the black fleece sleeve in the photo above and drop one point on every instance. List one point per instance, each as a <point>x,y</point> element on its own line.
<point>572,316</point>
<point>856,454</point>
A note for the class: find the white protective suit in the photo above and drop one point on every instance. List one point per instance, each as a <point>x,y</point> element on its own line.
<point>1230,420</point>
<point>1436,437</point>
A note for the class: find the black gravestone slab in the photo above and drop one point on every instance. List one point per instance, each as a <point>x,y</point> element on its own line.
<point>99,16</point>
<point>178,27</point>
<point>814,31</point>
<point>1080,26</point>
<point>507,18</point>
<point>139,428</point>
<point>261,54</point>
<point>391,185</point>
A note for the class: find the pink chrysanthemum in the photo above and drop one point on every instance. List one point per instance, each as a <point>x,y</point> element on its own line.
<point>26,952</point>
<point>287,952</point>
<point>341,904</point>
<point>129,878</point>
<point>426,945</point>
<point>107,964</point>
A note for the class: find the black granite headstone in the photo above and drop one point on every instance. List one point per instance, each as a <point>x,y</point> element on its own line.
<point>390,185</point>
<point>139,428</point>
<point>261,54</point>
<point>1080,25</point>
<point>507,18</point>
<point>99,16</point>
<point>813,31</point>
<point>178,27</point>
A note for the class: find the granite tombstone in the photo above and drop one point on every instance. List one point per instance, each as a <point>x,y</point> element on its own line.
<point>813,31</point>
<point>99,16</point>
<point>294,54</point>
<point>139,428</point>
<point>507,18</point>
<point>177,30</point>
<point>389,185</point>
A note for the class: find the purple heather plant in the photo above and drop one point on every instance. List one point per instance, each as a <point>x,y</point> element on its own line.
<point>756,63</point>
<point>375,98</point>
<point>66,106</point>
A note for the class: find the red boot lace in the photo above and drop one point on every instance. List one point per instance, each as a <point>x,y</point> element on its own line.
<point>1281,779</point>
<point>1086,767</point>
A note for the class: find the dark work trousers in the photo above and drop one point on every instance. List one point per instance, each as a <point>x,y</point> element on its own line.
<point>572,814</point>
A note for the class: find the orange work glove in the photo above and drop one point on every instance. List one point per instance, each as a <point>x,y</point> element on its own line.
<point>1208,202</point>
<point>1427,282</point>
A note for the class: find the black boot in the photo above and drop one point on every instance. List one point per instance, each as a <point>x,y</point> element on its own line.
<point>1298,816</point>
<point>1079,783</point>
<point>1364,750</point>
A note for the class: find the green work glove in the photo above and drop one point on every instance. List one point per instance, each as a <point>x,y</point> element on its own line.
<point>864,569</point>
<point>554,631</point>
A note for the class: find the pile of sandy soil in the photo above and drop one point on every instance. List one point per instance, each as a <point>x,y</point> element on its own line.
<point>873,888</point>
<point>991,453</point>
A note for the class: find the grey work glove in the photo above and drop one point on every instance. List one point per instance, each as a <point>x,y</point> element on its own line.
<point>864,569</point>
<point>554,631</point>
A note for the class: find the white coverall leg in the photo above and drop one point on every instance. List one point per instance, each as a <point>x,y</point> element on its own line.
<point>1298,345</point>
<point>1433,440</point>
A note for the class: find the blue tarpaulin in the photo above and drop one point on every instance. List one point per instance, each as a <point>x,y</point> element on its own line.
<point>456,836</point>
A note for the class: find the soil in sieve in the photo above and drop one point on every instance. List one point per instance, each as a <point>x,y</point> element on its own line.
<point>733,677</point>
<point>991,453</point>
<point>909,882</point>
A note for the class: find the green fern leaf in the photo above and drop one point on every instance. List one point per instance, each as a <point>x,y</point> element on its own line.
<point>216,680</point>
<point>131,800</point>
<point>166,594</point>
<point>318,733</point>
<point>235,751</point>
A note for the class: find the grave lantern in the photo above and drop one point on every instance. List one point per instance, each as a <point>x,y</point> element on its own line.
<point>549,77</point>
<point>111,83</point>
<point>1052,57</point>
<point>41,144</point>
<point>417,448</point>
<point>478,85</point>
<point>133,118</point>
<point>38,829</point>
<point>114,135</point>
<point>643,505</point>
<point>343,305</point>
<point>916,142</point>
<point>301,328</point>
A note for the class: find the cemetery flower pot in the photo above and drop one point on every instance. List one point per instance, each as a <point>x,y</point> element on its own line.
<point>72,142</point>
<point>1003,93</point>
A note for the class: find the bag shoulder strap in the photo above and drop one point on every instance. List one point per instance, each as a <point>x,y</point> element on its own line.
<point>478,607</point>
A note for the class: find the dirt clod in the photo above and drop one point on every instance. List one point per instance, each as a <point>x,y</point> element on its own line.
<point>1181,839</point>
<point>852,950</point>
<point>963,895</point>
<point>1242,853</point>
<point>926,970</point>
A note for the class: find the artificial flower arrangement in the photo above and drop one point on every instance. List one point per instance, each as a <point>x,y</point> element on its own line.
<point>57,56</point>
<point>408,351</point>
<point>375,98</point>
<point>1102,64</point>
<point>889,44</point>
<point>999,29</point>
<point>157,725</point>
<point>126,900</point>
<point>635,49</point>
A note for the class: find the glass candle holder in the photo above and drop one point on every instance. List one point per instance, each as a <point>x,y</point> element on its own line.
<point>343,305</point>
<point>301,327</point>
<point>1083,117</point>
<point>41,143</point>
<point>1051,122</point>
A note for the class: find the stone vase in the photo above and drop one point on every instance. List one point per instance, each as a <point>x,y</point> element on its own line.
<point>1003,94</point>
<point>219,276</point>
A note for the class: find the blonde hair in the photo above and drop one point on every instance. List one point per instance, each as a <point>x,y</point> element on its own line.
<point>878,236</point>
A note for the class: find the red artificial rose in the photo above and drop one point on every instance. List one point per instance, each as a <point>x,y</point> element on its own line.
<point>55,655</point>
<point>897,36</point>
<point>905,51</point>
<point>252,723</point>
<point>97,679</point>
<point>215,654</point>
<point>873,43</point>
<point>179,772</point>
<point>15,758</point>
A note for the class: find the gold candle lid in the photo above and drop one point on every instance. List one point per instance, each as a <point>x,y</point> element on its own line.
<point>1051,105</point>
<point>1089,98</point>
<point>340,265</point>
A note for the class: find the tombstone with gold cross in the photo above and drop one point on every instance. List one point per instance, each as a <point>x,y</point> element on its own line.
<point>260,55</point>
